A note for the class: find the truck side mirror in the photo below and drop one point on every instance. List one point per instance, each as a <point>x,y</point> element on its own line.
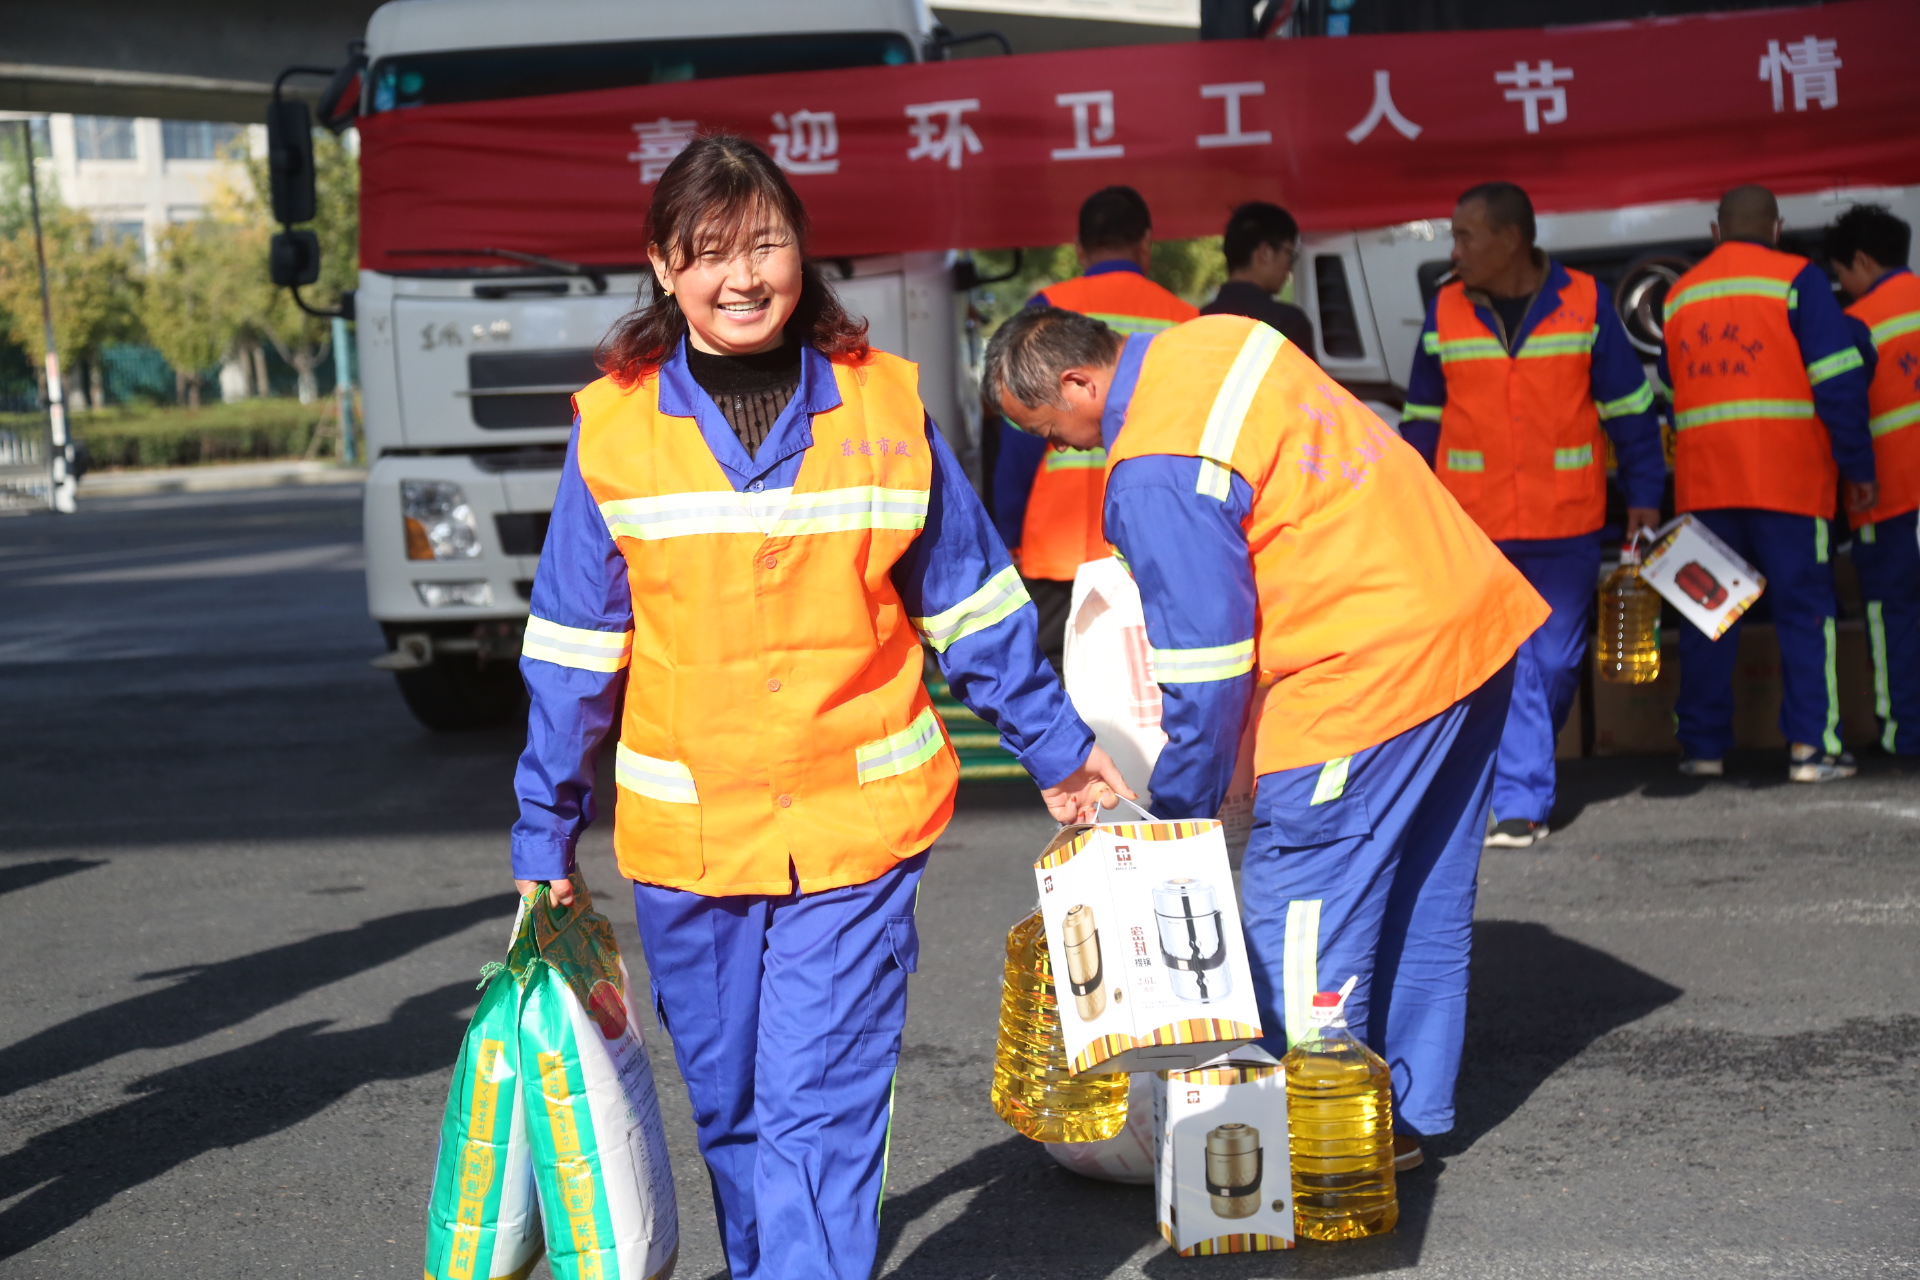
<point>293,258</point>
<point>290,163</point>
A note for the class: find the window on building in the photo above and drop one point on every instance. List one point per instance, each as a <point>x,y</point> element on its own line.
<point>42,140</point>
<point>122,231</point>
<point>104,138</point>
<point>196,139</point>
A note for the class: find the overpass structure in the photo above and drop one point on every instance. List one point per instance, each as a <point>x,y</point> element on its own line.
<point>216,59</point>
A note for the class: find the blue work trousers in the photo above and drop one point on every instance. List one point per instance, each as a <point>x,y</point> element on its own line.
<point>785,1014</point>
<point>1366,866</point>
<point>1546,671</point>
<point>1792,552</point>
<point>1887,557</point>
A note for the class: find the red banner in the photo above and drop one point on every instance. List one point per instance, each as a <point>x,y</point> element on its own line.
<point>1367,131</point>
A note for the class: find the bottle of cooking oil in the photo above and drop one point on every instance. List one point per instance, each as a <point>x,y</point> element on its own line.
<point>1340,1129</point>
<point>1629,624</point>
<point>1032,1088</point>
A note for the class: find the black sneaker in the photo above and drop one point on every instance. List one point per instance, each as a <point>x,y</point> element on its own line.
<point>1516,833</point>
<point>1806,764</point>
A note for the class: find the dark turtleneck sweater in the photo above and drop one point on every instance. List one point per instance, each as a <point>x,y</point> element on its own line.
<point>750,391</point>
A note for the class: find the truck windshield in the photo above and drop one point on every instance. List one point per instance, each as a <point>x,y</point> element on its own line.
<point>476,75</point>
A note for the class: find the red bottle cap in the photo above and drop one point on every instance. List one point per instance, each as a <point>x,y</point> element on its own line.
<point>1326,1000</point>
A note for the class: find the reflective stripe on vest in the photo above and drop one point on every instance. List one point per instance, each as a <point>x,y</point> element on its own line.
<point>771,649</point>
<point>1003,593</point>
<point>1891,312</point>
<point>897,753</point>
<point>576,646</point>
<point>1063,527</point>
<point>1743,411</point>
<point>1520,433</point>
<point>1228,414</point>
<point>1345,518</point>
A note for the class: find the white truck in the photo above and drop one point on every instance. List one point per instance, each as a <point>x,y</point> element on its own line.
<point>467,373</point>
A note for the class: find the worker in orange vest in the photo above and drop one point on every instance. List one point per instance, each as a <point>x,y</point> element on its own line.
<point>1522,375</point>
<point>1867,247</point>
<point>1046,502</point>
<point>757,529</point>
<point>1297,561</point>
<point>1769,413</point>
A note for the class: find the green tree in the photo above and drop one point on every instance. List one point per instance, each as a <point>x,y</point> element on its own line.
<point>303,341</point>
<point>91,279</point>
<point>203,295</point>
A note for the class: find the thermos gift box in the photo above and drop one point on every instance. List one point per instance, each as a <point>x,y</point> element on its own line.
<point>1144,934</point>
<point>1223,1182</point>
<point>1701,576</point>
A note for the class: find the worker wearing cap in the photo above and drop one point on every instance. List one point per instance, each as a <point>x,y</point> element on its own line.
<point>1868,247</point>
<point>1769,414</point>
<point>1522,376</point>
<point>1286,541</point>
<point>1046,502</point>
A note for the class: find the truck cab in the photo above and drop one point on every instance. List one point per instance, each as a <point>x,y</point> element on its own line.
<point>468,372</point>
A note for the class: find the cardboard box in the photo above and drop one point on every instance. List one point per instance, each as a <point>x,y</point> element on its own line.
<point>1700,576</point>
<point>1224,1180</point>
<point>1143,929</point>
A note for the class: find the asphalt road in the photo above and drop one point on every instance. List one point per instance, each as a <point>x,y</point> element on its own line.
<point>244,900</point>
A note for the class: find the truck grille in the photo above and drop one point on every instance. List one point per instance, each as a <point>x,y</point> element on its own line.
<point>517,390</point>
<point>522,533</point>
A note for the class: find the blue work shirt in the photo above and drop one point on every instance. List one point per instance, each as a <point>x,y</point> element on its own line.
<point>1618,384</point>
<point>995,669</point>
<point>1839,398</point>
<point>1188,552</point>
<point>1020,453</point>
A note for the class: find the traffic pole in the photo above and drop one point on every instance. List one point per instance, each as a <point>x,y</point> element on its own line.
<point>60,495</point>
<point>343,387</point>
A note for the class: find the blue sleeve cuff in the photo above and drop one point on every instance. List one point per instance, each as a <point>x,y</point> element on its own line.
<point>1061,748</point>
<point>541,857</point>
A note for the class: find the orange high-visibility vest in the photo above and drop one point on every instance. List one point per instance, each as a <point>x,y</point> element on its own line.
<point>1892,312</point>
<point>775,714</point>
<point>1746,434</point>
<point>1062,529</point>
<point>1520,443</point>
<point>1381,603</point>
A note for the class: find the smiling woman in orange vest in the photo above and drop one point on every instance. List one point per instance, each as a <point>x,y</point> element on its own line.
<point>757,529</point>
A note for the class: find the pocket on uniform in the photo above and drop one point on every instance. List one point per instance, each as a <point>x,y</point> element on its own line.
<point>886,1001</point>
<point>905,778</point>
<point>1311,824</point>
<point>658,818</point>
<point>903,936</point>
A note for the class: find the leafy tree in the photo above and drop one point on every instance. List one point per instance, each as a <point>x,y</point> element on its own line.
<point>203,295</point>
<point>92,282</point>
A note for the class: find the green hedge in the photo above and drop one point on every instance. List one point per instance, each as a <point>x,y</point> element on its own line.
<point>173,436</point>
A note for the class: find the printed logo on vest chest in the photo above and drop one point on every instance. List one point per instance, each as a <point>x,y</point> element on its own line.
<point>884,446</point>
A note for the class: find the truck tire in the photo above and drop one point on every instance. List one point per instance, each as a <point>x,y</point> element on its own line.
<point>456,693</point>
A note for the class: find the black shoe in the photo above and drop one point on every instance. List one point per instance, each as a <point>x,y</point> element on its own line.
<point>1516,833</point>
<point>1806,764</point>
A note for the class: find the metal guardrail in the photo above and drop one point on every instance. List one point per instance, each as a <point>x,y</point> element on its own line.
<point>26,483</point>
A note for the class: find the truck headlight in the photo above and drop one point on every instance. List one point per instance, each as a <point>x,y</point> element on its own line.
<point>439,523</point>
<point>477,593</point>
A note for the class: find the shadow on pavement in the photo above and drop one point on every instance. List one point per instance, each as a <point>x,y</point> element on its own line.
<point>216,996</point>
<point>1538,1000</point>
<point>225,1100</point>
<point>24,875</point>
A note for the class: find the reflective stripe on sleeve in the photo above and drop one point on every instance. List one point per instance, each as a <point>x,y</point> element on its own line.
<point>1894,419</point>
<point>1197,666</point>
<point>898,753</point>
<point>1232,402</point>
<point>776,513</point>
<point>1075,460</point>
<point>576,646</point>
<point>1130,324</point>
<point>1412,412</point>
<point>1733,410</point>
<point>1731,287</point>
<point>664,780</point>
<point>1834,365</point>
<point>1896,326</point>
<point>1430,343</point>
<point>1466,460</point>
<point>1003,594</point>
<point>1573,459</point>
<point>1454,350</point>
<point>1538,346</point>
<point>1332,783</point>
<point>1300,968</point>
<point>1638,402</point>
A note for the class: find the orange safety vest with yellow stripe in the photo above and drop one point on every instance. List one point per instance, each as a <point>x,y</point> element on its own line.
<point>1892,313</point>
<point>1063,527</point>
<point>776,724</point>
<point>1381,603</point>
<point>1520,442</point>
<point>1744,424</point>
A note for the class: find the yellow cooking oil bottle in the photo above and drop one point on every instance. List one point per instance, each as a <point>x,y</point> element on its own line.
<point>1340,1129</point>
<point>1032,1088</point>
<point>1629,624</point>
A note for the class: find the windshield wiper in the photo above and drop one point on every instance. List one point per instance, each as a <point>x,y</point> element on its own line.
<point>557,266</point>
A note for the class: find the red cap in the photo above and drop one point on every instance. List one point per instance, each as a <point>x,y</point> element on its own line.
<point>1326,1000</point>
